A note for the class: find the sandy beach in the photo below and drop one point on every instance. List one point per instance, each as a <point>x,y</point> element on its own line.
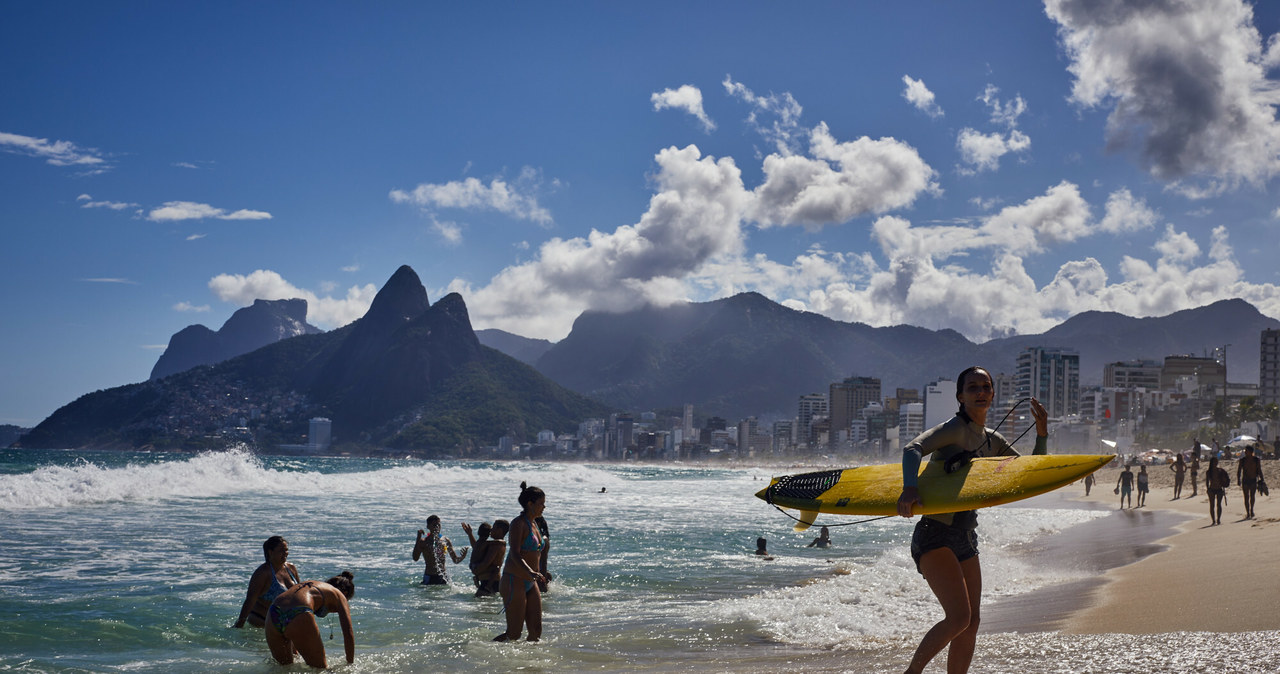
<point>1199,578</point>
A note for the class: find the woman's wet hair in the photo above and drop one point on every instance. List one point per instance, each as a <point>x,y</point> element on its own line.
<point>500,525</point>
<point>345,582</point>
<point>271,544</point>
<point>529,495</point>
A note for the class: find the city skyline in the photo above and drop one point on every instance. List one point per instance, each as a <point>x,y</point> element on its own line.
<point>991,168</point>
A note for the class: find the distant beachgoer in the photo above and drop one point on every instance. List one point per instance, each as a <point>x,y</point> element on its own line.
<point>822,541</point>
<point>292,626</point>
<point>487,560</point>
<point>268,581</point>
<point>1195,469</point>
<point>1088,483</point>
<point>602,490</point>
<point>762,546</point>
<point>433,548</point>
<point>1216,481</point>
<point>1124,486</point>
<point>479,540</point>
<point>521,597</point>
<point>1143,486</point>
<point>945,546</point>
<point>1179,468</point>
<point>545,583</point>
<point>1248,470</point>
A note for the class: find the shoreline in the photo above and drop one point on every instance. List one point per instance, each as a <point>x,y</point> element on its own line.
<point>1161,569</point>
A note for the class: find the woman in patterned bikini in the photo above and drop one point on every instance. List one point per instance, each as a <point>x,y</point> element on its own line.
<point>291,621</point>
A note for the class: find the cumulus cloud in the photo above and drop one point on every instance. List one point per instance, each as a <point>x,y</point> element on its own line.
<point>451,232</point>
<point>516,199</point>
<point>840,181</point>
<point>57,153</point>
<point>1186,84</point>
<point>187,307</point>
<point>1004,113</point>
<point>87,201</point>
<point>919,96</point>
<point>982,151</point>
<point>1126,214</point>
<point>173,211</point>
<point>325,312</point>
<point>687,98</point>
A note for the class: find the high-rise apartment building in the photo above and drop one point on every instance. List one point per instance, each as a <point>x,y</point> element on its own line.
<point>1208,372</point>
<point>1269,368</point>
<point>939,402</point>
<point>812,406</point>
<point>1132,374</point>
<point>847,400</point>
<point>1050,375</point>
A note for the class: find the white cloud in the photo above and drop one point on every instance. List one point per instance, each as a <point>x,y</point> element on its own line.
<point>775,117</point>
<point>517,200</point>
<point>840,181</point>
<point>451,232</point>
<point>687,98</point>
<point>919,96</point>
<point>189,210</point>
<point>351,268</point>
<point>57,153</point>
<point>100,279</point>
<point>1126,214</point>
<point>1004,113</point>
<point>88,202</point>
<point>325,312</point>
<point>1186,83</point>
<point>982,152</point>
<point>195,237</point>
<point>189,307</point>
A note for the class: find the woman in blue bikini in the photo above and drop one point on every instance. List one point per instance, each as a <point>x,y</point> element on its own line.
<point>521,597</point>
<point>291,621</point>
<point>268,581</point>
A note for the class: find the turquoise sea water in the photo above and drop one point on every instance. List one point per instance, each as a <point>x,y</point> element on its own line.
<point>116,562</point>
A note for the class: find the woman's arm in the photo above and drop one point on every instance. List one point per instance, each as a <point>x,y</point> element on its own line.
<point>519,568</point>
<point>257,585</point>
<point>348,634</point>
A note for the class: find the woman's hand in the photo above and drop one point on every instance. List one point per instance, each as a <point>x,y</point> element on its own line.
<point>1042,418</point>
<point>908,501</point>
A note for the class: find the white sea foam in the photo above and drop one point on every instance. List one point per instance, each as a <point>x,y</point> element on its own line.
<point>884,598</point>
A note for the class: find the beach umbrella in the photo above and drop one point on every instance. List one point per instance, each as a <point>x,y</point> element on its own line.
<point>1242,440</point>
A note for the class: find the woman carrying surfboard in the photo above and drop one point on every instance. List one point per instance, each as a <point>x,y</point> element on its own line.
<point>945,546</point>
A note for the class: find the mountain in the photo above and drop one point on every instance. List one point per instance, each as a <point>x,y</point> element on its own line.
<point>252,327</point>
<point>747,355</point>
<point>408,375</point>
<point>523,349</point>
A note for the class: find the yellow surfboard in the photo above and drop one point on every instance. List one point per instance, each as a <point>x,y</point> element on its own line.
<point>874,490</point>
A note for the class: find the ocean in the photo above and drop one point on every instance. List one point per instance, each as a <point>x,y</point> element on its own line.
<point>138,562</point>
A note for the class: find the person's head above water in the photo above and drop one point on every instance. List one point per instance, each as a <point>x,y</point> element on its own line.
<point>272,544</point>
<point>499,529</point>
<point>760,544</point>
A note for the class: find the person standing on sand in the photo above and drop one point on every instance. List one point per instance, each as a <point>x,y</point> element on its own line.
<point>1088,483</point>
<point>1179,468</point>
<point>1248,470</point>
<point>1216,482</point>
<point>1124,486</point>
<point>945,546</point>
<point>1143,486</point>
<point>1195,468</point>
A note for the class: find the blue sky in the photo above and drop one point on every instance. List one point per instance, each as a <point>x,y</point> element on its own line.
<point>993,167</point>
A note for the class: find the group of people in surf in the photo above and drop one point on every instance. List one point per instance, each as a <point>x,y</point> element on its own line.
<point>286,607</point>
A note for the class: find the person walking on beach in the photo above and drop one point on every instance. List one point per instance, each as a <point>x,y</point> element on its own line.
<point>292,627</point>
<point>945,546</point>
<point>1248,470</point>
<point>433,548</point>
<point>268,581</point>
<point>1124,486</point>
<point>521,597</point>
<point>1179,468</point>
<point>1216,481</point>
<point>1195,468</point>
<point>1143,486</point>
<point>1088,483</point>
